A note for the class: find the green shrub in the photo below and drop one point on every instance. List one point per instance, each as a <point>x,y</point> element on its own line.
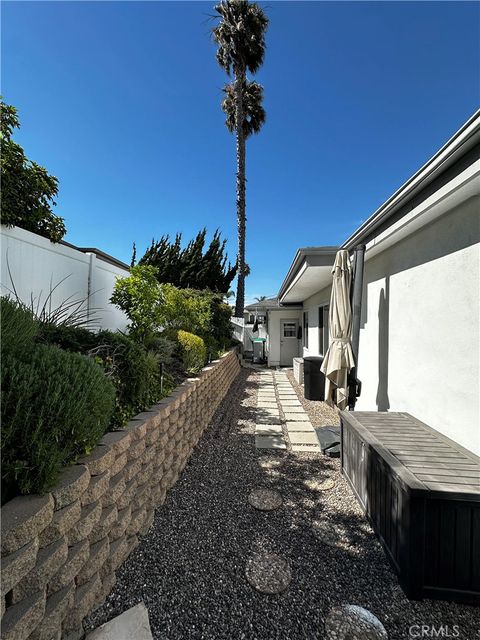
<point>140,297</point>
<point>55,406</point>
<point>77,339</point>
<point>193,351</point>
<point>18,326</point>
<point>134,371</point>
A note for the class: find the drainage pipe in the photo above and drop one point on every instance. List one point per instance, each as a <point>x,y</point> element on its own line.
<point>354,383</point>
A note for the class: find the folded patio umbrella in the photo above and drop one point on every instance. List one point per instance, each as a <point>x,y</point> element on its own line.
<point>339,358</point>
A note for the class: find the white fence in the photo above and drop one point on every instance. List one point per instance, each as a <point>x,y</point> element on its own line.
<point>34,266</point>
<point>243,332</point>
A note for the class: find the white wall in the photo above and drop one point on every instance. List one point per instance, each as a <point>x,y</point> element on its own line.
<point>36,265</point>
<point>311,305</point>
<point>273,340</point>
<point>419,338</point>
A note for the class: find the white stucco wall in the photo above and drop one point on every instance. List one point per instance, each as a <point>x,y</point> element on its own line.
<point>273,340</point>
<point>36,265</point>
<point>311,305</point>
<point>419,338</point>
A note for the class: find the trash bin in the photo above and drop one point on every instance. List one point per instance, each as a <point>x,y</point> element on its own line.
<point>313,378</point>
<point>258,350</point>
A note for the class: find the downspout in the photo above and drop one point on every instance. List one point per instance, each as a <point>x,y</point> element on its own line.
<point>355,385</point>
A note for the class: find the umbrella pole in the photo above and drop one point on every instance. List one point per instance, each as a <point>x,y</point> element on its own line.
<point>354,384</point>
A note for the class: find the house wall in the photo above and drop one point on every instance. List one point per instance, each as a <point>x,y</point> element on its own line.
<point>311,305</point>
<point>273,339</point>
<point>419,338</point>
<point>33,266</point>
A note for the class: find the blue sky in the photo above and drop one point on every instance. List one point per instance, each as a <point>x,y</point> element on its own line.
<point>121,101</point>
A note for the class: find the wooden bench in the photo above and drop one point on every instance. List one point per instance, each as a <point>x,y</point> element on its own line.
<point>421,493</point>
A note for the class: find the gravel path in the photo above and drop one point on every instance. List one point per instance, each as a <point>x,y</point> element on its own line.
<point>190,568</point>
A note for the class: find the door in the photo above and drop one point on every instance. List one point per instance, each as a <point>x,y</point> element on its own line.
<point>288,342</point>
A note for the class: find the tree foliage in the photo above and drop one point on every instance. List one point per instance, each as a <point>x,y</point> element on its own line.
<point>140,297</point>
<point>240,35</point>
<point>253,112</point>
<point>28,190</point>
<point>191,266</point>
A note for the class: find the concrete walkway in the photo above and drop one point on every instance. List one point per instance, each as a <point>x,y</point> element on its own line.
<point>281,421</point>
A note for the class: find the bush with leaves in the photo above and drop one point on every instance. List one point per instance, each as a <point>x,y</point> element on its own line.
<point>134,370</point>
<point>140,297</point>
<point>55,405</point>
<point>193,351</point>
<point>28,190</point>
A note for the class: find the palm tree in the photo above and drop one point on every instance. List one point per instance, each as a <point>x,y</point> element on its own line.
<point>260,298</point>
<point>240,36</point>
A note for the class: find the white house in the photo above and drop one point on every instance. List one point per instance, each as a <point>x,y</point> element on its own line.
<point>419,346</point>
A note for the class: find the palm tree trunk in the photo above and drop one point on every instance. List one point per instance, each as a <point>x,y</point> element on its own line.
<point>241,217</point>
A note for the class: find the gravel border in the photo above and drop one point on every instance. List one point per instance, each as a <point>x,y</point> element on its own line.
<point>190,568</point>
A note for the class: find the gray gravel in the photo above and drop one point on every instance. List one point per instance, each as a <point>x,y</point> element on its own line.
<point>190,569</point>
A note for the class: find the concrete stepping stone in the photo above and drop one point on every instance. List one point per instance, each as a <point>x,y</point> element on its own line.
<point>275,413</point>
<point>351,622</point>
<point>268,573</point>
<point>291,403</point>
<point>269,429</point>
<point>328,532</point>
<point>267,405</point>
<point>300,426</point>
<point>298,409</point>
<point>270,442</point>
<point>265,499</point>
<point>306,448</point>
<point>319,485</point>
<point>268,419</point>
<point>295,417</point>
<point>302,437</point>
<point>132,623</point>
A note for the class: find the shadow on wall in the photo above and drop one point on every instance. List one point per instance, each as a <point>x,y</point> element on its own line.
<point>382,400</point>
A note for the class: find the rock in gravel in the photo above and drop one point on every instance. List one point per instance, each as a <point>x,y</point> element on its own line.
<point>351,622</point>
<point>265,499</point>
<point>268,573</point>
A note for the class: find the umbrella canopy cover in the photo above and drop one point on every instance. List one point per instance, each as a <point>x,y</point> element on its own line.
<point>339,358</point>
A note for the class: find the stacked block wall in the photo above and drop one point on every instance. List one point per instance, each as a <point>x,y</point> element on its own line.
<point>60,551</point>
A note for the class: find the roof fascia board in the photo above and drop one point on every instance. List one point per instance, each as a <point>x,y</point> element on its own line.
<point>461,142</point>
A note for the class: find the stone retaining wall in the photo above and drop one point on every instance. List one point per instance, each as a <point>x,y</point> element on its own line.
<point>60,551</point>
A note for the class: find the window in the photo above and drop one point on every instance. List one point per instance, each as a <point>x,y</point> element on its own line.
<point>289,329</point>
<point>251,319</point>
<point>261,319</point>
<point>323,329</point>
<point>305,329</point>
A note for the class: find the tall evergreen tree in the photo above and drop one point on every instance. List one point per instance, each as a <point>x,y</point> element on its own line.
<point>240,36</point>
<point>192,266</point>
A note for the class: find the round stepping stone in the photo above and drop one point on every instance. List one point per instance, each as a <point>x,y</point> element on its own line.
<point>350,622</point>
<point>326,485</point>
<point>268,573</point>
<point>265,499</point>
<point>327,532</point>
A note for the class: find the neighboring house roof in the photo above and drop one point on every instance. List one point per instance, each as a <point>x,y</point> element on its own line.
<point>409,208</point>
<point>101,255</point>
<point>268,303</point>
